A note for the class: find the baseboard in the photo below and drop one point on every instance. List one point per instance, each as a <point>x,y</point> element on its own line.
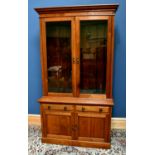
<point>34,119</point>
<point>116,123</point>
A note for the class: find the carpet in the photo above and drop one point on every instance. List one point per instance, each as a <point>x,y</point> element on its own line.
<point>36,147</point>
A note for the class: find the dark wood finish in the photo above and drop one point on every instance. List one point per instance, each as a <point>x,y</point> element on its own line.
<point>73,118</point>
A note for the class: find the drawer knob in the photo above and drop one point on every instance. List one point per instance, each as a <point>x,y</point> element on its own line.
<point>100,110</point>
<point>65,108</point>
<point>83,109</point>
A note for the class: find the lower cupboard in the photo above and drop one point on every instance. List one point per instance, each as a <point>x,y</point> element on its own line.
<point>76,125</point>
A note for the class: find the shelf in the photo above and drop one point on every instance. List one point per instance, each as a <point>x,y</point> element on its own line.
<point>76,100</point>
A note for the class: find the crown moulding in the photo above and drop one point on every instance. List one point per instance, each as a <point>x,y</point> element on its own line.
<point>98,7</point>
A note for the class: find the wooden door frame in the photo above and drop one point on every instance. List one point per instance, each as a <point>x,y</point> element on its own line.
<point>75,53</point>
<point>43,53</point>
<point>110,55</point>
<point>110,42</point>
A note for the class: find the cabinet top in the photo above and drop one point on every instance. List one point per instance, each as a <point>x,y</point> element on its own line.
<point>76,100</point>
<point>94,7</point>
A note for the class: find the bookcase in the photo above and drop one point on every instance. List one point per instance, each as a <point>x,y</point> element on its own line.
<point>77,50</point>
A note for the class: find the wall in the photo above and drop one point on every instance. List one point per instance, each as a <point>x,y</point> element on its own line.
<point>34,66</point>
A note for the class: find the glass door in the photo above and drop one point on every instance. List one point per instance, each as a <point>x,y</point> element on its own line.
<point>59,37</point>
<point>92,50</point>
<point>75,54</point>
<point>58,42</point>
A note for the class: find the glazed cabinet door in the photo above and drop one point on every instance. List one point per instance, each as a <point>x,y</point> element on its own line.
<point>92,125</point>
<point>93,52</point>
<point>76,55</point>
<point>57,52</point>
<point>57,121</point>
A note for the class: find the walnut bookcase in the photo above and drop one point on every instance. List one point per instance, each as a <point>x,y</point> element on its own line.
<point>77,46</point>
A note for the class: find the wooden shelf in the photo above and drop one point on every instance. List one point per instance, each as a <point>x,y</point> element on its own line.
<point>76,100</point>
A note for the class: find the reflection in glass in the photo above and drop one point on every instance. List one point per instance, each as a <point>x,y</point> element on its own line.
<point>93,53</point>
<point>58,41</point>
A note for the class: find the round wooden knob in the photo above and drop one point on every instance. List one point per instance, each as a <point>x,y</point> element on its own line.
<point>49,108</point>
<point>100,110</point>
<point>83,109</point>
<point>65,108</point>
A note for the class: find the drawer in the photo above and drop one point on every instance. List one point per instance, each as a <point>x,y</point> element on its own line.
<point>93,109</point>
<point>58,107</point>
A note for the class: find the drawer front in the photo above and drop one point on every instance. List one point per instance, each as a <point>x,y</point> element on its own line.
<point>58,107</point>
<point>99,109</point>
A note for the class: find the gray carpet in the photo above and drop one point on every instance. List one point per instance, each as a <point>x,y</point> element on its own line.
<point>35,147</point>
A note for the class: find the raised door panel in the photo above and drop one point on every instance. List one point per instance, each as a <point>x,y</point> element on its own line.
<point>57,124</point>
<point>93,126</point>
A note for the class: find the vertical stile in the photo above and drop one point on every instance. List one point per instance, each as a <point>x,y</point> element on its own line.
<point>43,56</point>
<point>108,70</point>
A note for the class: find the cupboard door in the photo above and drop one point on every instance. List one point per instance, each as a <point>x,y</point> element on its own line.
<point>56,55</point>
<point>93,46</point>
<point>59,66</point>
<point>93,127</point>
<point>57,123</point>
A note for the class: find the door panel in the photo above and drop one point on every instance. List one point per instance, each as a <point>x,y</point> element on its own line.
<point>76,55</point>
<point>92,49</point>
<point>93,53</point>
<point>93,126</point>
<point>57,52</point>
<point>59,67</point>
<point>58,124</point>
